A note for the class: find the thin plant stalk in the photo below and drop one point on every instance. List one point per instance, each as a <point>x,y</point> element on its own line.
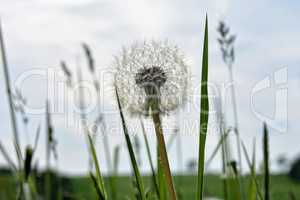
<point>179,156</point>
<point>204,112</point>
<point>229,57</point>
<point>98,180</point>
<point>48,132</point>
<point>149,158</point>
<point>134,164</point>
<point>225,148</point>
<point>107,153</point>
<point>235,117</point>
<point>266,162</point>
<point>252,173</point>
<point>81,107</point>
<point>100,119</point>
<point>10,100</point>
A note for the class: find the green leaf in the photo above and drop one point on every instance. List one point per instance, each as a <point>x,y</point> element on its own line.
<point>137,174</point>
<point>203,115</point>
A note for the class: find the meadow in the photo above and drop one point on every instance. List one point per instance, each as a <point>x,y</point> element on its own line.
<point>145,74</point>
<point>81,187</point>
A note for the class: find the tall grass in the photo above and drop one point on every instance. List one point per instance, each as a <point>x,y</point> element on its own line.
<point>204,110</point>
<point>134,164</point>
<point>162,179</point>
<point>10,100</point>
<point>98,180</point>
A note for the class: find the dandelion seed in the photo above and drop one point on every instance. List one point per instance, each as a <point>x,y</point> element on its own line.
<point>148,72</point>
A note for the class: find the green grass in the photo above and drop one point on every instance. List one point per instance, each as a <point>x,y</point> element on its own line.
<point>281,185</point>
<point>82,187</point>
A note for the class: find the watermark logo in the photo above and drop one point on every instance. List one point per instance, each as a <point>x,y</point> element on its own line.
<point>278,81</point>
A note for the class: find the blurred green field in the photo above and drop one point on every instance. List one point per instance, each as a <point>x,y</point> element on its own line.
<point>81,187</point>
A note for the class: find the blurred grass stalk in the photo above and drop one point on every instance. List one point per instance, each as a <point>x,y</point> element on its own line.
<point>266,161</point>
<point>100,120</point>
<point>48,151</point>
<point>98,180</point>
<point>204,112</point>
<point>10,101</point>
<point>254,188</point>
<point>226,42</point>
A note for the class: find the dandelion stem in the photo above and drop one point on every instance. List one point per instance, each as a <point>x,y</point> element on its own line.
<point>163,157</point>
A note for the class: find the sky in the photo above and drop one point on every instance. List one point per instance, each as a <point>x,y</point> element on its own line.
<point>40,33</point>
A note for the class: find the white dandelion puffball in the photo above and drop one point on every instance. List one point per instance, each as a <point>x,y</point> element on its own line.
<point>151,70</point>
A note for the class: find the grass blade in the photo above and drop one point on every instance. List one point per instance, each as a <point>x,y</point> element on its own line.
<point>138,177</point>
<point>150,158</point>
<point>255,189</point>
<point>10,100</point>
<point>37,136</point>
<point>203,115</point>
<point>266,162</point>
<point>97,188</point>
<point>99,179</point>
<point>219,145</point>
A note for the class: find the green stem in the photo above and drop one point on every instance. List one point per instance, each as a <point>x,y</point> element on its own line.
<point>163,157</point>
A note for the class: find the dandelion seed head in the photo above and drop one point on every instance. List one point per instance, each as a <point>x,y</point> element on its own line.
<point>151,70</point>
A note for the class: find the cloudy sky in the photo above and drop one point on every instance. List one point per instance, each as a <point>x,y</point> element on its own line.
<point>39,34</point>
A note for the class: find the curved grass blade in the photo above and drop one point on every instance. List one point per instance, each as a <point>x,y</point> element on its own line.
<point>137,174</point>
<point>97,188</point>
<point>10,101</point>
<point>203,115</point>
<point>150,158</point>
<point>99,179</point>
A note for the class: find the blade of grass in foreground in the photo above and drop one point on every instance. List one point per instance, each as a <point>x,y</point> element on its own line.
<point>99,180</point>
<point>204,106</point>
<point>96,185</point>
<point>138,177</point>
<point>254,186</point>
<point>266,162</point>
<point>150,158</point>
